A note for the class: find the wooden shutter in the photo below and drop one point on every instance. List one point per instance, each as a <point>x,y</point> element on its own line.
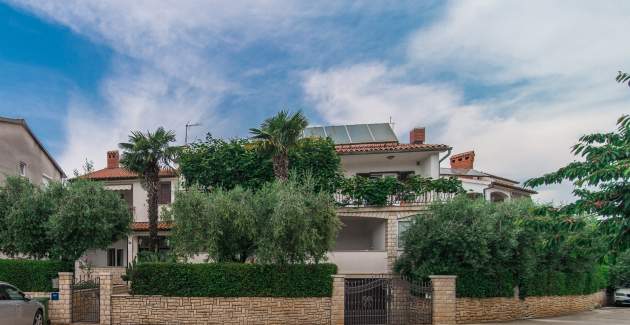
<point>164,193</point>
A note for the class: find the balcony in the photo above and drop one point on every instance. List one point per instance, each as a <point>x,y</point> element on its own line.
<point>374,192</point>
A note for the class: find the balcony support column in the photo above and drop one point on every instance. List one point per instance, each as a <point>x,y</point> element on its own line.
<point>391,241</point>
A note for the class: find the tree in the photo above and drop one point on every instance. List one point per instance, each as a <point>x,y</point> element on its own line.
<point>299,223</point>
<point>601,180</point>
<point>60,221</point>
<point>494,247</point>
<point>277,135</point>
<point>283,222</point>
<point>221,223</point>
<point>620,272</point>
<point>217,163</point>
<point>24,213</point>
<point>146,154</point>
<point>86,216</point>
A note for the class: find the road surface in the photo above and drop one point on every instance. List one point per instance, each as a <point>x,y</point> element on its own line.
<point>604,316</point>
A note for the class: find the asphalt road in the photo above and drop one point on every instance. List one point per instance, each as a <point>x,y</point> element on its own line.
<point>604,316</point>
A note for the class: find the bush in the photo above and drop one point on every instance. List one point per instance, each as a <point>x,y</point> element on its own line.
<point>232,280</point>
<point>32,275</point>
<point>495,247</point>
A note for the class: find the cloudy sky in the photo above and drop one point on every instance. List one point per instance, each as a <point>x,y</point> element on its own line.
<point>517,81</point>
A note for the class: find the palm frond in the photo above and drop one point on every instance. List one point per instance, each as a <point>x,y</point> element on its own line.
<point>623,77</point>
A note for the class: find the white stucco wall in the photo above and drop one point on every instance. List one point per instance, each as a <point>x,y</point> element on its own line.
<point>421,163</point>
<point>140,198</point>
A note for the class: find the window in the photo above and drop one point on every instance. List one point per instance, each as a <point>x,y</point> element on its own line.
<point>22,169</point>
<point>144,244</point>
<point>46,180</point>
<point>13,293</point>
<point>164,193</point>
<point>115,257</point>
<point>403,225</point>
<point>3,293</point>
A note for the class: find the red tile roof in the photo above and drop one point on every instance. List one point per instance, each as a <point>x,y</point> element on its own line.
<point>387,147</point>
<point>122,173</point>
<point>144,226</point>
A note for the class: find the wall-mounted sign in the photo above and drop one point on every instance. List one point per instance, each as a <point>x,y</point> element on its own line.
<point>54,296</point>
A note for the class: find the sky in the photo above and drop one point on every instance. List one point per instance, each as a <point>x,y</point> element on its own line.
<point>516,81</point>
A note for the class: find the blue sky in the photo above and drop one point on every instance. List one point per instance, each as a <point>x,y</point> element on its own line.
<point>518,83</point>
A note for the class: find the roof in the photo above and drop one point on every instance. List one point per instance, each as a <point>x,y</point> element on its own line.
<point>144,226</point>
<point>513,187</point>
<point>476,173</point>
<point>387,147</point>
<point>122,173</point>
<point>22,122</point>
<point>462,172</point>
<point>354,133</point>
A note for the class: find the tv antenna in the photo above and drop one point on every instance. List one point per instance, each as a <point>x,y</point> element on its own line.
<point>188,125</point>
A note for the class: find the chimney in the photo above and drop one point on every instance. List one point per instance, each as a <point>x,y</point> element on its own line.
<point>464,160</point>
<point>112,159</point>
<point>417,136</point>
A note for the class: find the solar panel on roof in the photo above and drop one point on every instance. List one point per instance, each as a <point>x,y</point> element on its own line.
<point>383,132</point>
<point>356,133</point>
<point>360,133</point>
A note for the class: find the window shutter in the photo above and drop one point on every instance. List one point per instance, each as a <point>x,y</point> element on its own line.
<point>164,193</point>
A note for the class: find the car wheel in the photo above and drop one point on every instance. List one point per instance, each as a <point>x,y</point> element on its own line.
<point>39,318</point>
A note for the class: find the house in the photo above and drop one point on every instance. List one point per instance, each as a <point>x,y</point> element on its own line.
<point>128,185</point>
<point>368,240</point>
<point>22,154</point>
<point>476,183</point>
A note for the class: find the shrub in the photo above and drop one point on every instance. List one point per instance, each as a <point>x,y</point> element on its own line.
<point>232,280</point>
<point>32,275</point>
<point>494,247</point>
<point>620,271</point>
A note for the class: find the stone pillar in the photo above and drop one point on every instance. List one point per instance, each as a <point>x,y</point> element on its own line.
<point>391,241</point>
<point>105,298</point>
<point>63,313</point>
<point>444,299</point>
<point>337,302</point>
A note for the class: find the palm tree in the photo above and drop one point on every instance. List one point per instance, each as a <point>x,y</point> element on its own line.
<point>146,154</point>
<point>277,135</point>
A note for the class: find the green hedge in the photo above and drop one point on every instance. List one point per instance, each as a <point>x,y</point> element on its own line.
<point>553,283</point>
<point>29,275</point>
<point>481,286</point>
<point>232,280</point>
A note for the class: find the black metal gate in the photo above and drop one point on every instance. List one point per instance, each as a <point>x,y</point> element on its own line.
<point>387,300</point>
<point>85,299</point>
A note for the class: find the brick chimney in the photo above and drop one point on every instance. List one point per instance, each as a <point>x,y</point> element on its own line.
<point>464,160</point>
<point>417,136</point>
<point>112,159</point>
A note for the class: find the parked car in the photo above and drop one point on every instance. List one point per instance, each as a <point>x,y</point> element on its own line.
<point>622,296</point>
<point>16,308</point>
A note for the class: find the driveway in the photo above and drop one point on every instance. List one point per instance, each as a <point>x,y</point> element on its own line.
<point>604,316</point>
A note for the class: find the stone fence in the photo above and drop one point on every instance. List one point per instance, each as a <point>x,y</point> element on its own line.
<point>446,308</point>
<point>498,309</point>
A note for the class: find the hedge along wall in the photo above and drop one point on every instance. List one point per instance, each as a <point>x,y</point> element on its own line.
<point>543,283</point>
<point>30,275</point>
<point>232,280</point>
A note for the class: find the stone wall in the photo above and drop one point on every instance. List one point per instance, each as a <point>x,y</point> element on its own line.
<point>477,310</point>
<point>126,309</point>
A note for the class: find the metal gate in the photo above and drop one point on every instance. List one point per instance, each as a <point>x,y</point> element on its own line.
<point>387,300</point>
<point>85,299</point>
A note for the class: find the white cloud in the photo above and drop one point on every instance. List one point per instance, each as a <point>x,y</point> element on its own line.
<point>163,72</point>
<point>553,63</point>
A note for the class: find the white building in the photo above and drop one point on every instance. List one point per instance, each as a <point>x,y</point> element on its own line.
<point>476,183</point>
<point>128,185</point>
<point>368,241</point>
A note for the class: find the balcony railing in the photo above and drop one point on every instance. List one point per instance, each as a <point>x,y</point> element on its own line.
<point>361,191</point>
<point>398,199</point>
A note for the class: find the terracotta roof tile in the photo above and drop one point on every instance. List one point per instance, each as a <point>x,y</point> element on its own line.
<point>144,226</point>
<point>387,147</point>
<point>122,173</point>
